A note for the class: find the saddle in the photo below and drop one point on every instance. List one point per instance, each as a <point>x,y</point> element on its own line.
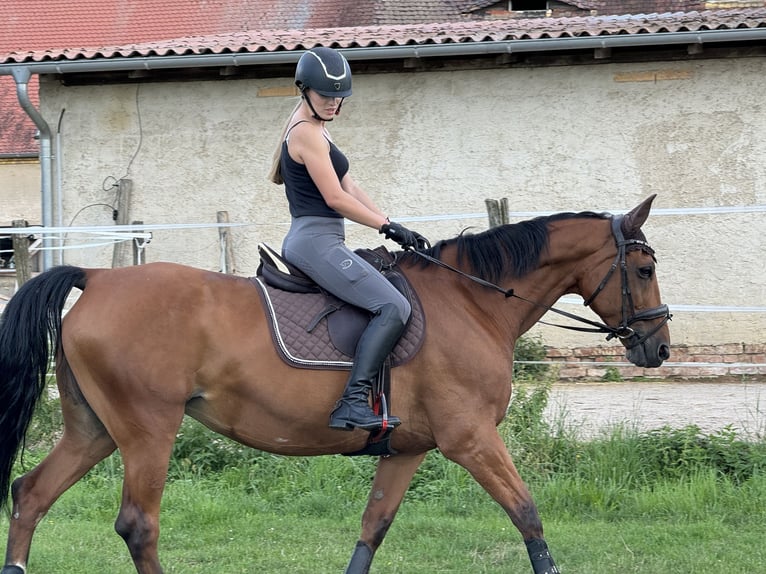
<point>313,329</point>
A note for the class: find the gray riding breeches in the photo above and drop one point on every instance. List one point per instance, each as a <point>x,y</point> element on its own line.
<point>316,245</point>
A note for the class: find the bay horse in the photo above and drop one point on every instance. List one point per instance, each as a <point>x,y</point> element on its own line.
<point>144,345</point>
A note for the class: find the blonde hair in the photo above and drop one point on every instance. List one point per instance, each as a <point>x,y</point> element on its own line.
<point>275,174</point>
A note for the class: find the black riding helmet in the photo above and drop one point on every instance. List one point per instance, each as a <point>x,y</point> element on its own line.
<point>325,71</point>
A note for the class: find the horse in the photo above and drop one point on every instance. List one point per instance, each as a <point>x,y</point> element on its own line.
<point>145,345</point>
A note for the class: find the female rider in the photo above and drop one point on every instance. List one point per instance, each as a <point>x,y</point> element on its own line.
<point>321,193</point>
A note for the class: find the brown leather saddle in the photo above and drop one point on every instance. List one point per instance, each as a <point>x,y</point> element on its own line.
<point>313,329</point>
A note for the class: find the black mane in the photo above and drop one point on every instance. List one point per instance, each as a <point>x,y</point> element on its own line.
<point>507,250</point>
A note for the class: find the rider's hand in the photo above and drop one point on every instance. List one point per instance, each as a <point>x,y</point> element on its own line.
<point>403,236</point>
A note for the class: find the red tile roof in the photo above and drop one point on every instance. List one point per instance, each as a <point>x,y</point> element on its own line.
<point>412,34</point>
<point>41,24</point>
<point>16,129</point>
<point>38,25</point>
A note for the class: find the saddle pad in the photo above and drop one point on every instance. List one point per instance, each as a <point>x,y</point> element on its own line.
<point>290,314</point>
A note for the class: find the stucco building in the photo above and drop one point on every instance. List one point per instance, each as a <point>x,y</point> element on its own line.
<point>556,113</point>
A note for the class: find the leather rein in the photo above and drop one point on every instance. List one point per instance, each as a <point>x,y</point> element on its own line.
<point>623,330</point>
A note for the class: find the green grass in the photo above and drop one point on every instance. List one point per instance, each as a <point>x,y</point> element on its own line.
<point>701,525</point>
<point>666,500</point>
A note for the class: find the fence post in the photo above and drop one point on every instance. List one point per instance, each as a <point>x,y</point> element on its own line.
<point>138,246</point>
<point>21,254</point>
<point>122,252</point>
<point>497,211</point>
<point>224,236</point>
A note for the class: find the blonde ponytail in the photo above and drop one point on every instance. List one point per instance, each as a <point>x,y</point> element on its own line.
<point>275,174</point>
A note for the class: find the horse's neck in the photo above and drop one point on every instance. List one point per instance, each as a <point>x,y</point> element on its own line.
<point>575,248</point>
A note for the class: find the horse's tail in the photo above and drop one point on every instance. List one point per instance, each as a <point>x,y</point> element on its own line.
<point>30,333</point>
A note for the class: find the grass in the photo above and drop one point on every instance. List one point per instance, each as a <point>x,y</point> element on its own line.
<point>665,500</point>
<point>701,525</point>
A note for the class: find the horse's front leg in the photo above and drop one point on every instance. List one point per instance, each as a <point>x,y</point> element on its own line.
<point>392,479</point>
<point>483,453</point>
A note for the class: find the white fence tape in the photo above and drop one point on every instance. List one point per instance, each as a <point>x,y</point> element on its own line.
<point>118,233</point>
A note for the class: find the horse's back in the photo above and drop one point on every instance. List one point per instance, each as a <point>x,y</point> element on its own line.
<point>159,319</point>
<point>142,290</point>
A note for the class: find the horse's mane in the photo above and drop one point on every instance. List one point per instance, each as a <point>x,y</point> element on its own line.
<point>507,250</point>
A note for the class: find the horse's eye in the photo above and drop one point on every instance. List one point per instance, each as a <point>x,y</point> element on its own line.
<point>646,272</point>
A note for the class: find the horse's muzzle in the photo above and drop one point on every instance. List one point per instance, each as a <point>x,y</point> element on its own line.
<point>649,353</point>
<point>650,348</point>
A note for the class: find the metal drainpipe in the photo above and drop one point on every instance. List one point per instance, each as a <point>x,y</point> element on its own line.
<point>21,75</point>
<point>57,190</point>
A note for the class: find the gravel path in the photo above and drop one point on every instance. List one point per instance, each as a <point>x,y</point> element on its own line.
<point>592,407</point>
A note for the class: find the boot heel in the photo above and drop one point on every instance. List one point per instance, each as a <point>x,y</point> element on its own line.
<point>341,424</point>
<point>340,420</point>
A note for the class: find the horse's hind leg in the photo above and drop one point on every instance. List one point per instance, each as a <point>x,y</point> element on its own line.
<point>483,453</point>
<point>392,478</point>
<point>138,523</point>
<point>83,444</point>
<point>145,434</point>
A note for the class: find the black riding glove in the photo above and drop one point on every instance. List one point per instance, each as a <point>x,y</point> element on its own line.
<point>403,236</point>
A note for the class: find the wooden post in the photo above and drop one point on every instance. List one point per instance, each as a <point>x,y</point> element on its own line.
<point>21,254</point>
<point>497,211</point>
<point>121,256</point>
<point>504,210</point>
<point>227,253</point>
<point>493,212</point>
<point>138,246</point>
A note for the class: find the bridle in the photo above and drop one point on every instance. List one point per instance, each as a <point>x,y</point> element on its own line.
<point>624,330</point>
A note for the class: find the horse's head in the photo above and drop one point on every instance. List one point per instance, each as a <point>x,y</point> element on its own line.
<point>628,296</point>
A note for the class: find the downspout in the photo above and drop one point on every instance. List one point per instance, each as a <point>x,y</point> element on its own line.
<point>21,75</point>
<point>57,191</point>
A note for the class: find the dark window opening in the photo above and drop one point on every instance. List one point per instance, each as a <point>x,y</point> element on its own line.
<point>526,5</point>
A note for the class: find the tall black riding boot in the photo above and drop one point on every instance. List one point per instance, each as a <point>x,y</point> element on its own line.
<point>378,340</point>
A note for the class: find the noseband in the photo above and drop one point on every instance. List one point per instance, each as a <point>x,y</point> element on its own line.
<point>624,330</point>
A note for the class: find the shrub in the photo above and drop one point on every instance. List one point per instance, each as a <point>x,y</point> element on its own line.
<point>529,349</point>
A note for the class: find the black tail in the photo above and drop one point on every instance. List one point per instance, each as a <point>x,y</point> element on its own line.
<point>30,331</point>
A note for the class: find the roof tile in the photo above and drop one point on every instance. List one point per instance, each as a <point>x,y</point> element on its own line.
<point>408,34</point>
<point>17,130</point>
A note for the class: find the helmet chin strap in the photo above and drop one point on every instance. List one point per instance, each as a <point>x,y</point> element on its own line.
<point>314,113</point>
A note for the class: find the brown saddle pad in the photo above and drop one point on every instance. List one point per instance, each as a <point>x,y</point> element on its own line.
<point>301,325</point>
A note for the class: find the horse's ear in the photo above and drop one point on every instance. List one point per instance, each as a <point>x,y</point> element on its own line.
<point>636,217</point>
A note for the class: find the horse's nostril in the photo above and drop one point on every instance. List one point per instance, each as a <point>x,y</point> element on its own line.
<point>663,352</point>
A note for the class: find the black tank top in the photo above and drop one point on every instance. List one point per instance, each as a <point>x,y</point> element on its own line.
<point>302,193</point>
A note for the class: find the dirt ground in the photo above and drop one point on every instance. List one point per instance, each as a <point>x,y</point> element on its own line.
<point>590,407</point>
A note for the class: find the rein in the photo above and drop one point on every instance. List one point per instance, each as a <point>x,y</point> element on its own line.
<point>623,330</point>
